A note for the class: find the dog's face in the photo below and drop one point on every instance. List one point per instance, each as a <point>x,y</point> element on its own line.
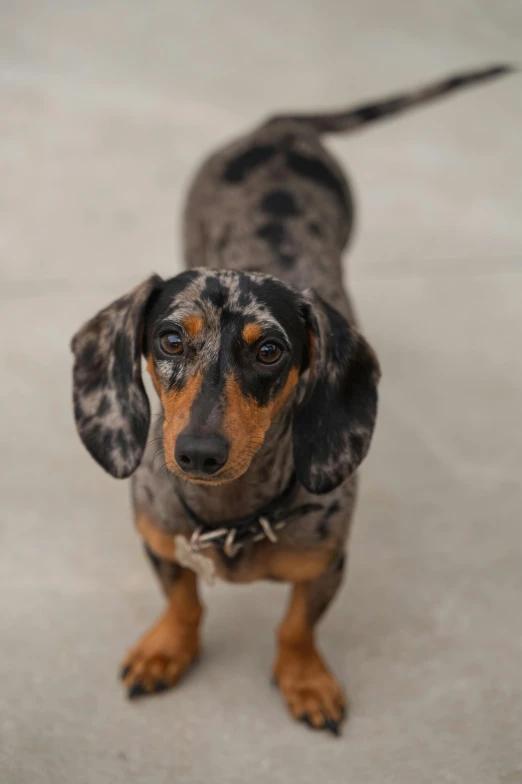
<point>226,351</point>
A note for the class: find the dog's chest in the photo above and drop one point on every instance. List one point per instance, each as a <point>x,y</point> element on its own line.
<point>286,560</point>
<point>267,561</point>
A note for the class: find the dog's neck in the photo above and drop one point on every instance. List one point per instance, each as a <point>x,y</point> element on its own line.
<point>267,477</point>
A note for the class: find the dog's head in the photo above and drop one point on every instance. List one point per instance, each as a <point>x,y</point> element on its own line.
<point>227,352</point>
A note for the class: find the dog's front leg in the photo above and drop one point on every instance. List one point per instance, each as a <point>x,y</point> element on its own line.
<point>163,654</point>
<point>310,690</point>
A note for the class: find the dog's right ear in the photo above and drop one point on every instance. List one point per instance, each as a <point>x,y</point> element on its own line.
<point>111,407</point>
<point>333,425</point>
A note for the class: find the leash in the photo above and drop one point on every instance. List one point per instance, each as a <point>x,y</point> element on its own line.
<point>232,535</point>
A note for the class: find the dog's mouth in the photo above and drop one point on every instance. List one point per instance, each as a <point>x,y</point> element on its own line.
<point>229,473</point>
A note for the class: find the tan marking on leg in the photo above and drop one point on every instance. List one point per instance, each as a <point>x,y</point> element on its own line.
<point>160,542</point>
<point>309,689</point>
<point>251,332</point>
<point>165,652</point>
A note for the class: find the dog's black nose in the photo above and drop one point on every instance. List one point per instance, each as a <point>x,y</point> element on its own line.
<point>201,455</point>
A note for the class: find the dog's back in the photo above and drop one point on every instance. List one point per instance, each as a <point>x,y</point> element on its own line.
<point>277,202</point>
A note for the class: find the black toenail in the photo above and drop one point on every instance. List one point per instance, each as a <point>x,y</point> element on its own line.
<point>161,686</point>
<point>124,671</point>
<point>136,690</point>
<point>305,718</point>
<point>333,727</point>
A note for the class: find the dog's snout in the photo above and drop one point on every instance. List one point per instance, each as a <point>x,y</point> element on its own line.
<point>201,455</point>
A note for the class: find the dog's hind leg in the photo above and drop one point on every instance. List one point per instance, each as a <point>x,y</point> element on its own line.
<point>310,690</point>
<point>163,654</point>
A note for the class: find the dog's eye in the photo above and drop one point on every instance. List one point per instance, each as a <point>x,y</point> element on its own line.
<point>171,343</point>
<point>269,353</point>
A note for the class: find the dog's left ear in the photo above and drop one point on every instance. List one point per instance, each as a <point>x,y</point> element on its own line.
<point>333,425</point>
<point>111,407</point>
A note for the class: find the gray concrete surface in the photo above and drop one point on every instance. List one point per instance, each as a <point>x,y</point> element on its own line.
<point>105,109</point>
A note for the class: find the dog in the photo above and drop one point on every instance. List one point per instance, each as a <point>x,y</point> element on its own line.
<point>268,397</point>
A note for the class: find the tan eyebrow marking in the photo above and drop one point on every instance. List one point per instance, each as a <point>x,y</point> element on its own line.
<point>193,325</point>
<point>251,332</point>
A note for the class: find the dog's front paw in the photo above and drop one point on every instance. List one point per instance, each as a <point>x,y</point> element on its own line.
<point>160,658</point>
<point>310,690</point>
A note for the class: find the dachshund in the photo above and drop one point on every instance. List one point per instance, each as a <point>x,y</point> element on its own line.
<point>267,390</point>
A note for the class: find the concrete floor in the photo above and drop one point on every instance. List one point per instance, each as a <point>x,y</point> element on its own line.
<point>105,109</point>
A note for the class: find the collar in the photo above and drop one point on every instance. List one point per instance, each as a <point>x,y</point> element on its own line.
<point>232,535</point>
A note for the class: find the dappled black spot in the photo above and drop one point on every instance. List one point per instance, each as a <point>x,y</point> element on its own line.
<point>89,368</point>
<point>244,291</point>
<point>78,410</point>
<point>274,233</point>
<point>317,171</point>
<point>340,563</point>
<point>315,229</point>
<point>89,355</point>
<point>122,369</point>
<point>214,292</point>
<point>122,444</point>
<point>242,165</point>
<point>323,529</point>
<point>300,511</point>
<point>105,440</point>
<point>161,305</point>
<point>94,433</point>
<point>280,203</point>
<point>332,509</point>
<point>139,424</point>
<point>104,406</point>
<point>89,383</point>
<point>177,376</point>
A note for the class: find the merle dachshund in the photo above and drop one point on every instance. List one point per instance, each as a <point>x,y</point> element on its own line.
<point>268,396</point>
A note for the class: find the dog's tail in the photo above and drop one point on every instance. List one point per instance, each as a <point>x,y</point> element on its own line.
<point>351,119</point>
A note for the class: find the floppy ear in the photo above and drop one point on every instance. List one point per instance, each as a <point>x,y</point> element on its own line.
<point>334,423</point>
<point>111,407</point>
